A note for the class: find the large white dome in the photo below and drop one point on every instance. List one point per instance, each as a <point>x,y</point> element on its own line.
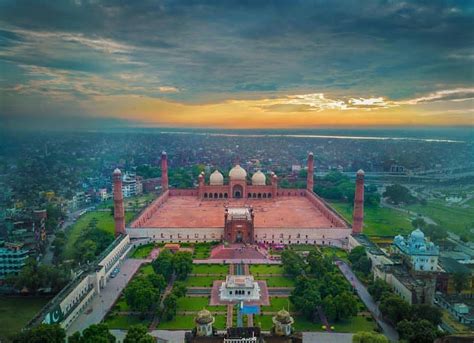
<point>259,179</point>
<point>216,179</point>
<point>238,173</point>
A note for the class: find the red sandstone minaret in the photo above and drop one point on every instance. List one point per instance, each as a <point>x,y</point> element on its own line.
<point>358,215</point>
<point>309,179</point>
<point>164,171</point>
<point>119,213</point>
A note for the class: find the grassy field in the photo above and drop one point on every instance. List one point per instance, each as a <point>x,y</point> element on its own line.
<point>264,321</point>
<point>276,304</point>
<point>124,322</point>
<point>355,324</point>
<point>453,218</point>
<point>218,269</point>
<point>143,251</point>
<point>146,269</point>
<point>277,281</point>
<point>378,221</point>
<point>197,304</point>
<point>200,281</point>
<point>202,251</point>
<point>187,323</point>
<point>121,304</point>
<point>16,312</point>
<point>266,269</point>
<point>105,222</point>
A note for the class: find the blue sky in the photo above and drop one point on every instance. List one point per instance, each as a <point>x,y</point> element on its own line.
<point>170,62</point>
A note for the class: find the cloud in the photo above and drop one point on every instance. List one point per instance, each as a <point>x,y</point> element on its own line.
<point>168,89</point>
<point>458,94</point>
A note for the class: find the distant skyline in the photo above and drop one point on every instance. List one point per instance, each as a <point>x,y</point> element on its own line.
<point>237,64</point>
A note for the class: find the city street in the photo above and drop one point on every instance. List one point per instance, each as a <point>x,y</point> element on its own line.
<point>369,302</point>
<point>102,303</point>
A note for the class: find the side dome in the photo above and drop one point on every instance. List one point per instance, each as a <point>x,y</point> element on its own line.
<point>238,173</point>
<point>204,317</point>
<point>284,317</point>
<point>216,179</point>
<point>417,235</point>
<point>259,179</point>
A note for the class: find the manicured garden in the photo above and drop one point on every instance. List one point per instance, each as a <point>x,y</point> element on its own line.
<point>200,281</point>
<point>186,322</point>
<point>277,304</point>
<point>143,251</point>
<point>277,281</point>
<point>215,269</point>
<point>202,250</point>
<point>16,312</point>
<point>190,304</point>
<point>266,269</point>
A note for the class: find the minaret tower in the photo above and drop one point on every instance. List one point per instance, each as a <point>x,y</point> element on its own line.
<point>358,215</point>
<point>164,171</point>
<point>310,176</point>
<point>119,213</point>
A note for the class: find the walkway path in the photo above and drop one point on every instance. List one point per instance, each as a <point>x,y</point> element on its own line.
<point>230,310</point>
<point>369,302</point>
<point>102,303</point>
<point>235,260</point>
<point>322,317</point>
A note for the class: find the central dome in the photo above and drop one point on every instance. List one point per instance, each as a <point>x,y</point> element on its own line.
<point>216,178</point>
<point>238,173</point>
<point>259,179</point>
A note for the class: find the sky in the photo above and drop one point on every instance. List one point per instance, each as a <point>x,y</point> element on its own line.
<point>237,64</point>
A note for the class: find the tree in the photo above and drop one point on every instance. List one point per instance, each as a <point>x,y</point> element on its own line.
<point>399,194</point>
<point>158,281</point>
<point>169,307</point>
<point>329,307</point>
<point>460,281</point>
<point>138,334</point>
<point>346,305</point>
<point>378,289</point>
<point>424,311</point>
<point>95,333</point>
<point>318,263</point>
<point>179,289</point>
<point>435,232</point>
<point>369,337</point>
<point>363,265</point>
<point>182,264</point>
<point>394,308</point>
<point>420,331</point>
<point>141,295</point>
<point>306,296</point>
<point>293,263</point>
<point>44,333</point>
<point>356,253</point>
<point>418,223</point>
<point>163,264</point>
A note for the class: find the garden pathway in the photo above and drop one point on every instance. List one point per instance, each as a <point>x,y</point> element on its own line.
<point>388,330</point>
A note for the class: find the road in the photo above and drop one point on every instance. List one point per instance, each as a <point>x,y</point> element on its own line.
<point>102,303</point>
<point>388,330</point>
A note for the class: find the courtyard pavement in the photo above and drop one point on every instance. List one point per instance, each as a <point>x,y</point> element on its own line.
<point>367,299</point>
<point>102,303</point>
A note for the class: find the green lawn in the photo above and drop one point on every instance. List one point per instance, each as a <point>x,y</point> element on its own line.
<point>124,322</point>
<point>202,250</point>
<point>453,218</point>
<point>121,304</point>
<point>334,251</point>
<point>187,323</point>
<point>220,269</point>
<point>197,304</point>
<point>264,321</point>
<point>277,281</point>
<point>355,324</point>
<point>200,281</point>
<point>378,221</point>
<point>146,269</point>
<point>276,304</point>
<point>105,221</point>
<point>303,324</point>
<point>143,251</point>
<point>266,269</point>
<point>16,312</point>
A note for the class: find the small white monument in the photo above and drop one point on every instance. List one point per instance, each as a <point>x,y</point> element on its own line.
<point>239,288</point>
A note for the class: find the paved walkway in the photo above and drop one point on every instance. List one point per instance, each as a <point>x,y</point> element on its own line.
<point>162,336</point>
<point>369,302</point>
<point>325,337</point>
<point>102,303</point>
